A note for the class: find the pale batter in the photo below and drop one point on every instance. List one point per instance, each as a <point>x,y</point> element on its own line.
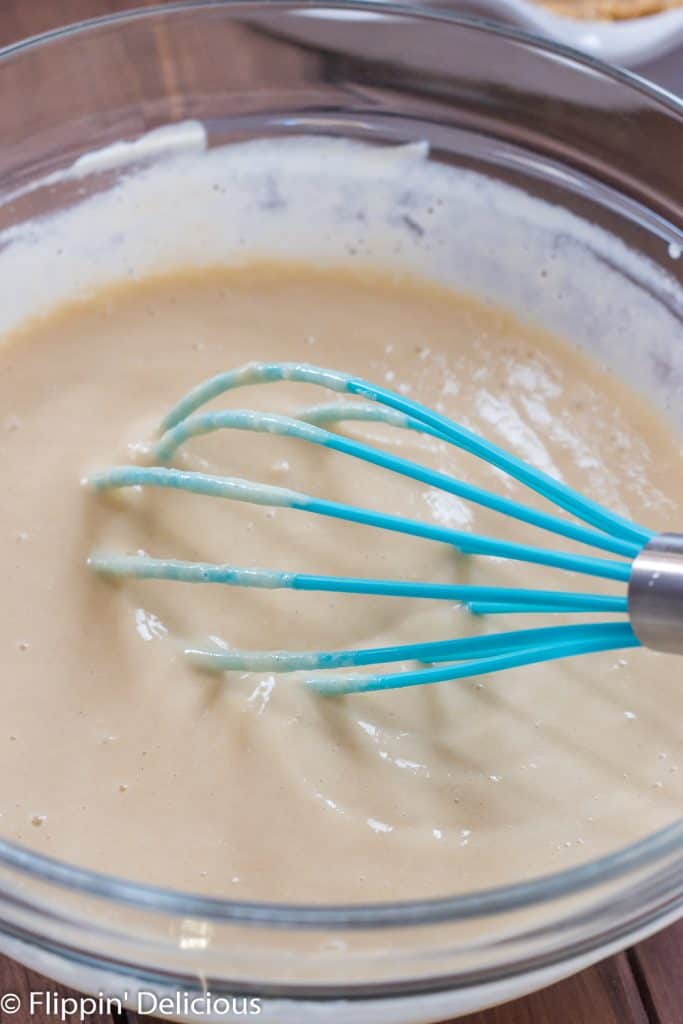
<point>115,754</point>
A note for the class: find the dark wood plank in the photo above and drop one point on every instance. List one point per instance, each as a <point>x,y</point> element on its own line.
<point>20,19</point>
<point>49,999</point>
<point>604,994</point>
<point>658,967</point>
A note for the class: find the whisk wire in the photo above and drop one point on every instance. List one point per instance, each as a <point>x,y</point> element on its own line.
<point>266,494</point>
<point>554,490</point>
<point>178,571</point>
<point>247,419</point>
<point>517,658</point>
<point>459,649</point>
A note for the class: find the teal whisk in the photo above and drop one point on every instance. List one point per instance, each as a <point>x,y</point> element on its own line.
<point>649,565</point>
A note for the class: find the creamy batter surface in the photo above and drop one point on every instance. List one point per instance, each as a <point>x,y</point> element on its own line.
<point>116,754</point>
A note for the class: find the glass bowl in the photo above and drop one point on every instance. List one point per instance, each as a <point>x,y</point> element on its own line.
<point>564,128</point>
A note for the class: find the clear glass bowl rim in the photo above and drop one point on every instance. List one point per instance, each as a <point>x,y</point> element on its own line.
<point>644,854</point>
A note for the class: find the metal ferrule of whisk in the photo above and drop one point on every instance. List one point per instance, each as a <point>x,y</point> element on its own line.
<point>655,594</point>
<point>646,568</point>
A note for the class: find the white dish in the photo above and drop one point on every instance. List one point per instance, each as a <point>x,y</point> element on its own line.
<point>631,42</point>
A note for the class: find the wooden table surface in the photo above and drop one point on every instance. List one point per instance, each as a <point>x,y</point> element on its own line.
<point>641,986</point>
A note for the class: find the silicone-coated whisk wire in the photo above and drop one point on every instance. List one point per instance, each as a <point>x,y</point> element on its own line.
<point>591,526</point>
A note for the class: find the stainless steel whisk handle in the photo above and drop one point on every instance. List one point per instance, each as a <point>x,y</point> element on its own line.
<point>655,594</point>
